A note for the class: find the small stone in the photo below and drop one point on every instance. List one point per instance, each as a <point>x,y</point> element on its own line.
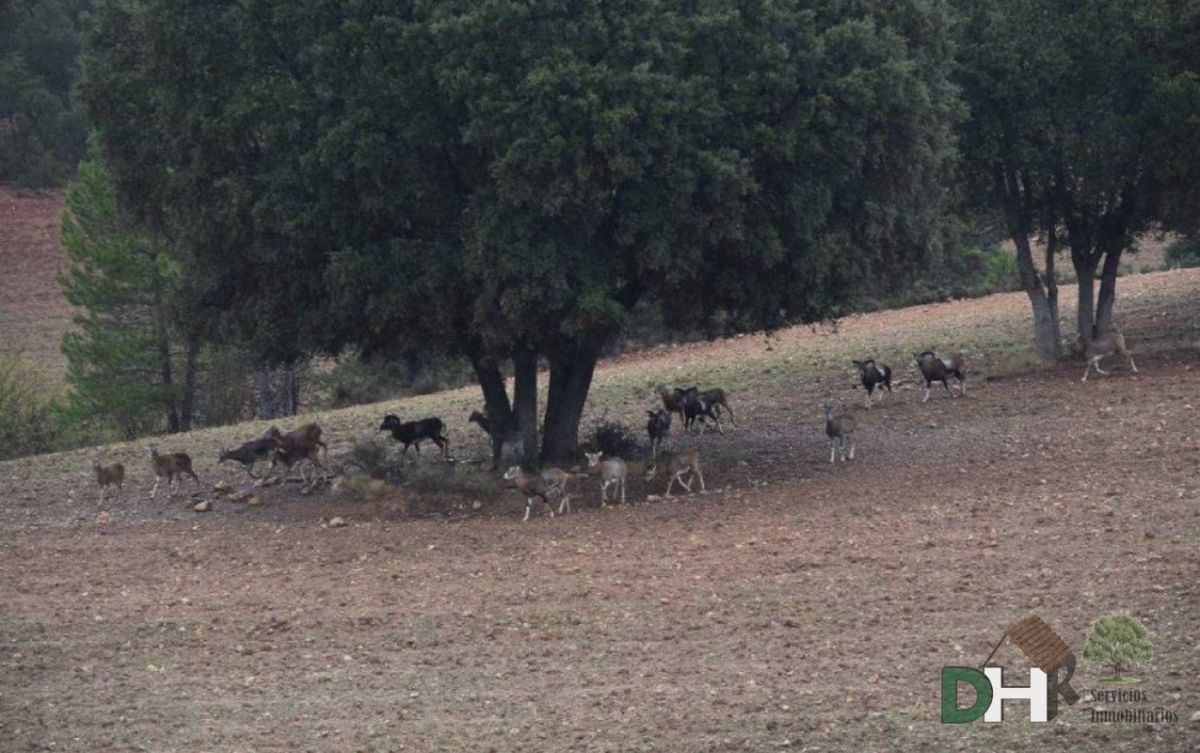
<point>1195,717</point>
<point>241,496</point>
<point>254,501</point>
<point>204,506</point>
<point>222,487</point>
<point>476,505</point>
<point>103,519</point>
<point>337,522</point>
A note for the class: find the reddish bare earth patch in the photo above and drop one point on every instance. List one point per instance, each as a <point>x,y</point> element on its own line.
<point>798,605</point>
<point>33,314</point>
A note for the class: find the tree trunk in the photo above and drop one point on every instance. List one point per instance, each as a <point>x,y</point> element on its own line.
<point>188,400</point>
<point>291,391</point>
<point>525,402</point>
<point>1085,270</point>
<point>1108,291</point>
<point>264,396</point>
<point>168,380</point>
<point>1043,299</point>
<point>570,379</point>
<point>495,401</point>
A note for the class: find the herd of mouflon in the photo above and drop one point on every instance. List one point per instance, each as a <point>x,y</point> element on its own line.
<point>695,409</point>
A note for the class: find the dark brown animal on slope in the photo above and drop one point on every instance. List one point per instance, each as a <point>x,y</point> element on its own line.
<point>298,445</point>
<point>840,430</point>
<point>935,369</point>
<point>113,475</point>
<point>698,411</point>
<point>1099,347</point>
<point>659,428</point>
<point>875,377</point>
<point>673,400</point>
<point>252,452</point>
<point>169,466</point>
<point>415,432</point>
<point>308,434</point>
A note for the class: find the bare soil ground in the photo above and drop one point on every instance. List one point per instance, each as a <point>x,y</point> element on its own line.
<point>33,314</point>
<point>797,605</point>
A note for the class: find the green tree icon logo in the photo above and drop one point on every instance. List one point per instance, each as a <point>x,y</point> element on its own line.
<point>1118,641</point>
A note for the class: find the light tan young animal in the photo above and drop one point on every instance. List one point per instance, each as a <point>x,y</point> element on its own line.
<point>675,466</point>
<point>113,475</point>
<point>1099,347</point>
<point>169,466</point>
<point>840,430</point>
<point>612,472</point>
<point>541,486</point>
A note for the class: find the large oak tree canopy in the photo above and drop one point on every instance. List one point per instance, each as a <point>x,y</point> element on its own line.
<point>509,179</point>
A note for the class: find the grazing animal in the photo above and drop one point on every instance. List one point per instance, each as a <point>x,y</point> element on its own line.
<point>308,434</point>
<point>718,401</point>
<point>541,486</point>
<point>874,377</point>
<point>113,475</point>
<point>482,420</point>
<point>250,453</point>
<point>840,430</point>
<point>673,400</point>
<point>169,466</point>
<point>935,369</point>
<point>612,471</point>
<point>698,411</point>
<point>676,466</point>
<point>415,432</point>
<point>294,452</point>
<point>658,427</point>
<point>1099,347</point>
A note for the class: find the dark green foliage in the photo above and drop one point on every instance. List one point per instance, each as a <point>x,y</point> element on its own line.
<point>1082,128</point>
<point>42,135</point>
<point>494,179</point>
<point>1118,641</point>
<point>119,282</point>
<point>614,438</point>
<point>1183,253</point>
<point>355,380</point>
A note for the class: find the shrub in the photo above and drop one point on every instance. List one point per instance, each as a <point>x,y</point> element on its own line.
<point>374,459</point>
<point>1183,253</point>
<point>613,438</point>
<point>27,422</point>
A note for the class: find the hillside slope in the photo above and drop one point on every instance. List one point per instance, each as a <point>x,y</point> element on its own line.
<point>797,605</point>
<point>33,314</point>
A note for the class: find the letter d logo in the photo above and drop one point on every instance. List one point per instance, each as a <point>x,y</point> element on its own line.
<point>951,677</point>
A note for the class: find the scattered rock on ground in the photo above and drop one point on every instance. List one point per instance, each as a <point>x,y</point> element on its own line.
<point>202,506</point>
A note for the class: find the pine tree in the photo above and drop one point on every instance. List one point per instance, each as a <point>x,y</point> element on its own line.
<point>119,355</point>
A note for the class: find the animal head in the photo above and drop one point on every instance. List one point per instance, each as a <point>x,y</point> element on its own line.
<point>223,455</point>
<point>512,473</point>
<point>593,458</point>
<point>830,411</point>
<point>924,355</point>
<point>96,467</point>
<point>651,471</point>
<point>390,421</point>
<point>476,417</point>
<point>273,433</point>
<point>864,364</point>
<point>152,450</point>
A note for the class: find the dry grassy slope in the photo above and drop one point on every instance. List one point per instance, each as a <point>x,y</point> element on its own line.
<point>33,315</point>
<point>811,365</point>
